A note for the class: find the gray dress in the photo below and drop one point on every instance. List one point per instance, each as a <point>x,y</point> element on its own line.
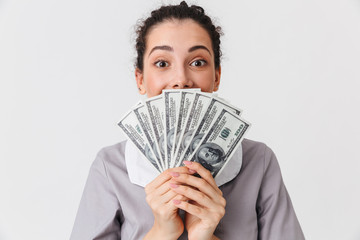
<point>257,203</point>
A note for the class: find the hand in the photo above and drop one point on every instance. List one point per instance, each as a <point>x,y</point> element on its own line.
<point>167,222</point>
<point>206,205</point>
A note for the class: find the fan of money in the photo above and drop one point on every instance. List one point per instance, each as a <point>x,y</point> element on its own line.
<point>185,124</point>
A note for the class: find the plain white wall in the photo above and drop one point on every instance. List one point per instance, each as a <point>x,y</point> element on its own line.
<point>66,77</point>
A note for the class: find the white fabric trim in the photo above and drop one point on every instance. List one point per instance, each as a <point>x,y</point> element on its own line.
<point>142,172</point>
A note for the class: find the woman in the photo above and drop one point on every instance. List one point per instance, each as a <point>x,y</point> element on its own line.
<point>179,47</point>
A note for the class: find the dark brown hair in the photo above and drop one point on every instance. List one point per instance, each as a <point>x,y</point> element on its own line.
<point>180,12</point>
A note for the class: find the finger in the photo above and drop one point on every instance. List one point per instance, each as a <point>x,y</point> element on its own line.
<point>165,197</point>
<point>164,188</point>
<point>196,183</point>
<point>200,212</point>
<point>195,195</point>
<point>163,203</point>
<point>179,197</point>
<point>203,172</point>
<point>163,194</point>
<point>162,178</point>
<point>169,207</point>
<point>175,196</point>
<point>190,208</point>
<point>170,195</point>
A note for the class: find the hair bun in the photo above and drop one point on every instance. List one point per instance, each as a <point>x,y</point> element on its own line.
<point>198,9</point>
<point>184,4</point>
<point>178,12</point>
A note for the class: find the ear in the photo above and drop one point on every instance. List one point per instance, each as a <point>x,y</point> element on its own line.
<point>217,78</point>
<point>139,76</point>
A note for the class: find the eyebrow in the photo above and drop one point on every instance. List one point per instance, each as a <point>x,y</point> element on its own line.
<point>198,47</point>
<point>170,49</point>
<point>162,47</point>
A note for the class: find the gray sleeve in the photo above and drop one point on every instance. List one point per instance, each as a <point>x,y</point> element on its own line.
<point>276,216</point>
<point>99,211</point>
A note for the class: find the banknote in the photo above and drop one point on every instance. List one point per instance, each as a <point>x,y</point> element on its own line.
<point>142,115</point>
<point>197,111</point>
<point>186,100</point>
<point>214,109</point>
<point>185,124</point>
<point>134,132</point>
<point>172,99</point>
<point>156,110</point>
<point>219,142</point>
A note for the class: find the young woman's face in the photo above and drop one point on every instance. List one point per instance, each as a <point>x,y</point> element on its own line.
<point>178,55</point>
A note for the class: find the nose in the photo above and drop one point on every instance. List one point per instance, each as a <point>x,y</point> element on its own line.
<point>182,79</point>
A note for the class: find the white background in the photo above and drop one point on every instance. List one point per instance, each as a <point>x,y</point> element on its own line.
<point>66,78</point>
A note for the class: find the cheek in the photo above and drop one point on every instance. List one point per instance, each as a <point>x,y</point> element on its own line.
<point>154,84</point>
<point>206,81</point>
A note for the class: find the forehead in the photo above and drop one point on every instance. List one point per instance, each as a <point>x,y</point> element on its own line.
<point>180,33</point>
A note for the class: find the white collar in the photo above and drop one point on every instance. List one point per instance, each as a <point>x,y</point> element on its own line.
<point>141,172</point>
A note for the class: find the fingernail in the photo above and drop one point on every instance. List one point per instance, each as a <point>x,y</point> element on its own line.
<point>175,201</point>
<point>187,162</point>
<point>173,185</point>
<point>174,174</point>
<point>192,171</point>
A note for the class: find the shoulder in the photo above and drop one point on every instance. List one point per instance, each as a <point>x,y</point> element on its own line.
<point>256,160</point>
<point>111,152</point>
<point>256,151</point>
<point>111,158</point>
<point>275,213</point>
<point>255,147</point>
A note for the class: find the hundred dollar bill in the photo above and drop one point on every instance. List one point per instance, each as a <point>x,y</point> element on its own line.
<point>197,111</point>
<point>220,142</point>
<point>134,132</point>
<point>187,98</point>
<point>214,109</point>
<point>156,110</point>
<point>172,99</point>
<point>142,115</point>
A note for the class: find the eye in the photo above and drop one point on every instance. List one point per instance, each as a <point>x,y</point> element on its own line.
<point>161,64</point>
<point>198,63</point>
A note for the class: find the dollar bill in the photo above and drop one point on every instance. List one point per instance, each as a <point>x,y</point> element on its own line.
<point>220,142</point>
<point>214,109</point>
<point>186,101</point>
<point>134,132</point>
<point>172,100</point>
<point>175,125</point>
<point>197,111</point>
<point>156,111</point>
<point>142,115</point>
